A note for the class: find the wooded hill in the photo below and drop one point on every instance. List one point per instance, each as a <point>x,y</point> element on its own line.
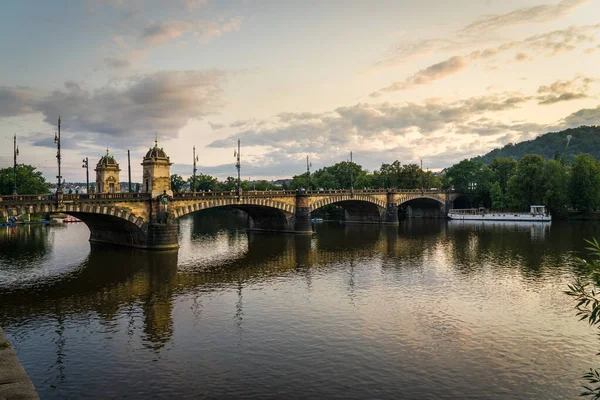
<point>585,139</point>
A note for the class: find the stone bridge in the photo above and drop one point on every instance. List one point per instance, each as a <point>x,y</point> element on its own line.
<point>146,221</point>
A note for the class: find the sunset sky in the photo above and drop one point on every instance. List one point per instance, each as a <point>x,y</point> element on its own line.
<point>434,80</point>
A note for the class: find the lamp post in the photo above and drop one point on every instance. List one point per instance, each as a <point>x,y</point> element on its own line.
<point>308,165</point>
<point>421,176</point>
<point>194,171</point>
<point>87,175</point>
<point>129,170</point>
<point>15,153</point>
<point>59,176</point>
<point>238,165</point>
<point>351,180</point>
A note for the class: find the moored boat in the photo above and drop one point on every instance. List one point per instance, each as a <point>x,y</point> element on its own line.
<point>536,214</point>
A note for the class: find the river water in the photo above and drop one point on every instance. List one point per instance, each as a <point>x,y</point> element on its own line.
<point>427,310</point>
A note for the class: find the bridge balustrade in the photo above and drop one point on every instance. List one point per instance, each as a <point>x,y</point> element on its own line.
<point>48,198</point>
<point>37,198</point>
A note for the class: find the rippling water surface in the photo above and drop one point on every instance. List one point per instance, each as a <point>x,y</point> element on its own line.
<point>430,309</point>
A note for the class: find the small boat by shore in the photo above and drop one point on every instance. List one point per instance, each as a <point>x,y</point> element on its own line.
<point>536,214</point>
<point>317,220</point>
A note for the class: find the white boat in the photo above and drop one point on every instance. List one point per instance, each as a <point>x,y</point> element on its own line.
<point>536,214</point>
<point>317,220</point>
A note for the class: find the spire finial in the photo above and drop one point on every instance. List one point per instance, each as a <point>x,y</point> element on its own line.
<point>155,139</point>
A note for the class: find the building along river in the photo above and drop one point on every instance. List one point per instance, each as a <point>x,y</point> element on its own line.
<point>429,309</point>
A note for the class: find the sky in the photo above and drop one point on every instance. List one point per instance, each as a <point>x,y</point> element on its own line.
<point>431,80</point>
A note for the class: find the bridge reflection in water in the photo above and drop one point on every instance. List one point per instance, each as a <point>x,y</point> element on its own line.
<point>160,298</point>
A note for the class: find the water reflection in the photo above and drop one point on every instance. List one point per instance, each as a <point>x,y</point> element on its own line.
<point>234,309</point>
<point>23,245</point>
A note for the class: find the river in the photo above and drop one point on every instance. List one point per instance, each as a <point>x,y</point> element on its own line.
<point>427,310</point>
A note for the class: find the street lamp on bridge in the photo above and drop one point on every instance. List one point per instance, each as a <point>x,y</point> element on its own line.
<point>238,165</point>
<point>57,141</point>
<point>15,153</point>
<point>308,165</point>
<point>87,175</point>
<point>194,172</point>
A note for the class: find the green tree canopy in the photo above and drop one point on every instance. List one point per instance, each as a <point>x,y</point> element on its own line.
<point>503,169</point>
<point>528,185</point>
<point>29,181</point>
<point>176,183</point>
<point>204,183</point>
<point>585,183</point>
<point>556,196</point>
<point>473,179</point>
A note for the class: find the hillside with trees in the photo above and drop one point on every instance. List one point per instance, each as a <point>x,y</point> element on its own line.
<point>584,139</point>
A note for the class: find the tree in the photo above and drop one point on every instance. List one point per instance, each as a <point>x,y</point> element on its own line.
<point>300,182</point>
<point>503,169</point>
<point>585,183</point>
<point>229,184</point>
<point>29,181</point>
<point>587,296</point>
<point>204,183</point>
<point>176,183</point>
<point>497,197</point>
<point>528,185</point>
<point>556,196</point>
<point>473,179</point>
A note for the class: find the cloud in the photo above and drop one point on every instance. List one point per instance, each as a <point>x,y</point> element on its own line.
<point>523,57</point>
<point>15,101</point>
<point>128,49</point>
<point>472,34</point>
<point>548,44</point>
<point>215,126</point>
<point>540,13</point>
<point>128,110</point>
<point>115,62</point>
<point>586,116</point>
<point>370,126</point>
<point>193,4</point>
<point>558,91</point>
<point>428,75</point>
<point>161,32</point>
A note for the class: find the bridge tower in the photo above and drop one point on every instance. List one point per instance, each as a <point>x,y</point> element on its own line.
<point>157,172</point>
<point>107,175</point>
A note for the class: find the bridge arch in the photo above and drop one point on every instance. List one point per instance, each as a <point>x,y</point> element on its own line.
<point>358,207</point>
<point>264,213</point>
<point>425,196</point>
<point>107,224</point>
<point>422,206</point>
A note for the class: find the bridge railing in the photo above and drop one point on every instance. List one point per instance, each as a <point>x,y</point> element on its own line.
<point>270,193</point>
<point>49,198</point>
<point>233,193</point>
<point>28,198</point>
<point>106,196</point>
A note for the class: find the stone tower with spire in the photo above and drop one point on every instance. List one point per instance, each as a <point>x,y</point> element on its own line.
<point>107,175</point>
<point>157,172</point>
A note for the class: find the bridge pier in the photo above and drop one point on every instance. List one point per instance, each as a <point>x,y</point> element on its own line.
<point>391,211</point>
<point>162,236</point>
<point>302,222</point>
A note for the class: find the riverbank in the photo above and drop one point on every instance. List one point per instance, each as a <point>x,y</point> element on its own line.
<point>14,382</point>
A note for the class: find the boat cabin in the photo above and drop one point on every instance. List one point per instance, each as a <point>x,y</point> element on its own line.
<point>537,210</point>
